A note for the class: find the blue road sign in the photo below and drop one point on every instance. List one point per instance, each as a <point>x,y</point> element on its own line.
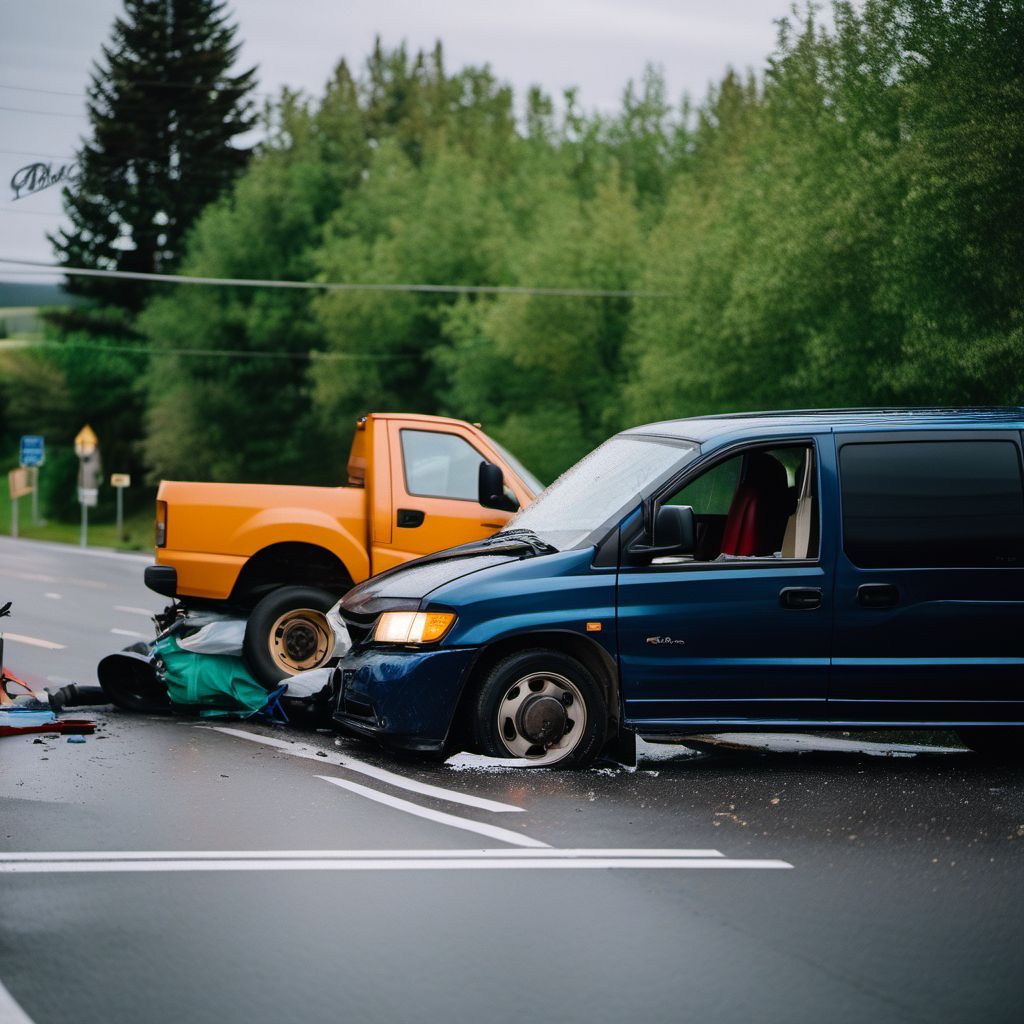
<point>33,450</point>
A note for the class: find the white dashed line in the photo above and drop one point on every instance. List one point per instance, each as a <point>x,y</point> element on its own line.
<point>32,641</point>
<point>31,577</point>
<point>130,633</point>
<point>130,610</point>
<point>503,835</point>
<point>380,774</point>
<point>53,597</point>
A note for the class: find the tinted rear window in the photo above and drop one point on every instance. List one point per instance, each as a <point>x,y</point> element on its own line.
<point>932,503</point>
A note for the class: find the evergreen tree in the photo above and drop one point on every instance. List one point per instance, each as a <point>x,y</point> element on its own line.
<point>164,111</point>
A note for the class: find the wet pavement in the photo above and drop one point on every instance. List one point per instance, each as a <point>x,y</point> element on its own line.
<point>169,871</point>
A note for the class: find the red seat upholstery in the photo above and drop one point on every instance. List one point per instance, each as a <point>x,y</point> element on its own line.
<point>760,507</point>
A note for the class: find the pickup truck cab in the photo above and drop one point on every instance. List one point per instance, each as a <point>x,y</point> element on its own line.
<point>829,569</point>
<point>284,555</point>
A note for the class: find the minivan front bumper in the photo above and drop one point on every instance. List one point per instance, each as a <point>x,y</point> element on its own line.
<point>403,697</point>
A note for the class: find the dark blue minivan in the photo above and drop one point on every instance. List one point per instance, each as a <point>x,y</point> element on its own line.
<point>860,568</point>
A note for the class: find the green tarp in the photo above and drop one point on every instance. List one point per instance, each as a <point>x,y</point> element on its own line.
<point>217,685</point>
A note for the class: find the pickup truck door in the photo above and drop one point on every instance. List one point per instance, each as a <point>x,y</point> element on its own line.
<point>434,487</point>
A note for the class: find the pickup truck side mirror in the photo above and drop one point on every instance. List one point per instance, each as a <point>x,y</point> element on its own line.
<point>492,489</point>
<point>674,533</point>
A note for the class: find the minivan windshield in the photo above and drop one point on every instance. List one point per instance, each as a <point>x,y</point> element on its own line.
<point>608,481</point>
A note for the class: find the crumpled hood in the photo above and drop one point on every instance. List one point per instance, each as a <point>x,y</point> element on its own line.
<point>411,583</point>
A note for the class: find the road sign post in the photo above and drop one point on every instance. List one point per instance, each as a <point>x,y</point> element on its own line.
<point>31,455</point>
<point>19,484</point>
<point>119,481</point>
<point>87,448</point>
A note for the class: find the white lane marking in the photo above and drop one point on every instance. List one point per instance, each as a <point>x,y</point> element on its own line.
<point>131,633</point>
<point>53,597</point>
<point>503,835</point>
<point>90,584</point>
<point>381,774</point>
<point>467,863</point>
<point>32,641</point>
<point>411,860</point>
<point>31,577</point>
<point>10,1011</point>
<point>141,855</point>
<point>131,610</point>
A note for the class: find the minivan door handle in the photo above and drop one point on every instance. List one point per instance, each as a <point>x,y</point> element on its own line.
<point>410,517</point>
<point>800,598</point>
<point>877,595</point>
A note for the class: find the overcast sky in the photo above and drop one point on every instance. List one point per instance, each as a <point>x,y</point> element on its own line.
<point>47,48</point>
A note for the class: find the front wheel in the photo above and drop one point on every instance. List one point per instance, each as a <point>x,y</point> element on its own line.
<point>288,633</point>
<point>542,706</point>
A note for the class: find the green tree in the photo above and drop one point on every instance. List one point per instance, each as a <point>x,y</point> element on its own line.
<point>164,112</point>
<point>248,417</point>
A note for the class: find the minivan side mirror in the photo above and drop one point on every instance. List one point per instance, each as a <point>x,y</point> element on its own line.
<point>674,533</point>
<point>492,489</point>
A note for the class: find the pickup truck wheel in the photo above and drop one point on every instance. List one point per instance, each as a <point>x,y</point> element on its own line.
<point>288,632</point>
<point>542,706</point>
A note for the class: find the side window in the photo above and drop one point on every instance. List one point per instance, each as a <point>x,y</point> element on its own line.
<point>440,465</point>
<point>760,504</point>
<point>918,504</point>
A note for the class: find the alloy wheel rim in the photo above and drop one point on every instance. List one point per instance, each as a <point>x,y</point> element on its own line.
<point>542,717</point>
<point>300,640</point>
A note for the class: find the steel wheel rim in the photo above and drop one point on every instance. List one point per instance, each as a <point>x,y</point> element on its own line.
<point>522,698</point>
<point>300,639</point>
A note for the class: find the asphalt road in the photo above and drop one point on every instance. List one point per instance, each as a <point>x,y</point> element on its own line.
<point>166,871</point>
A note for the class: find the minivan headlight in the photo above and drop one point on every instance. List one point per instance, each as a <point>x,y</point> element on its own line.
<point>412,627</point>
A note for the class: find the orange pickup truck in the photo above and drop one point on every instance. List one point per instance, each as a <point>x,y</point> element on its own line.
<point>283,555</point>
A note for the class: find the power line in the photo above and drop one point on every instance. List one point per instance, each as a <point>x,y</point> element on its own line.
<point>32,213</point>
<point>310,356</point>
<point>45,113</point>
<point>150,82</point>
<point>29,152</point>
<point>340,286</point>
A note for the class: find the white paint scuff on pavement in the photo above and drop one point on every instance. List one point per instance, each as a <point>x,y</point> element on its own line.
<point>503,835</point>
<point>466,761</point>
<point>799,743</point>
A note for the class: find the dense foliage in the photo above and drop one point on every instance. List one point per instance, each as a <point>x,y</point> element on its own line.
<point>844,227</point>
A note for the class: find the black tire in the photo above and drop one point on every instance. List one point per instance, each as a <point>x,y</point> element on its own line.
<point>1006,744</point>
<point>286,634</point>
<point>130,681</point>
<point>522,692</point>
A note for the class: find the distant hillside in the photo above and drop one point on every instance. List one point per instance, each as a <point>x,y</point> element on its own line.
<point>21,293</point>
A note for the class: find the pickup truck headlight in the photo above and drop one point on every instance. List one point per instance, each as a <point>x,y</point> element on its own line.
<point>412,627</point>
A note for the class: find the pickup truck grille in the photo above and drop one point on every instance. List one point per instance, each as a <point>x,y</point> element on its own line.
<point>359,626</point>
